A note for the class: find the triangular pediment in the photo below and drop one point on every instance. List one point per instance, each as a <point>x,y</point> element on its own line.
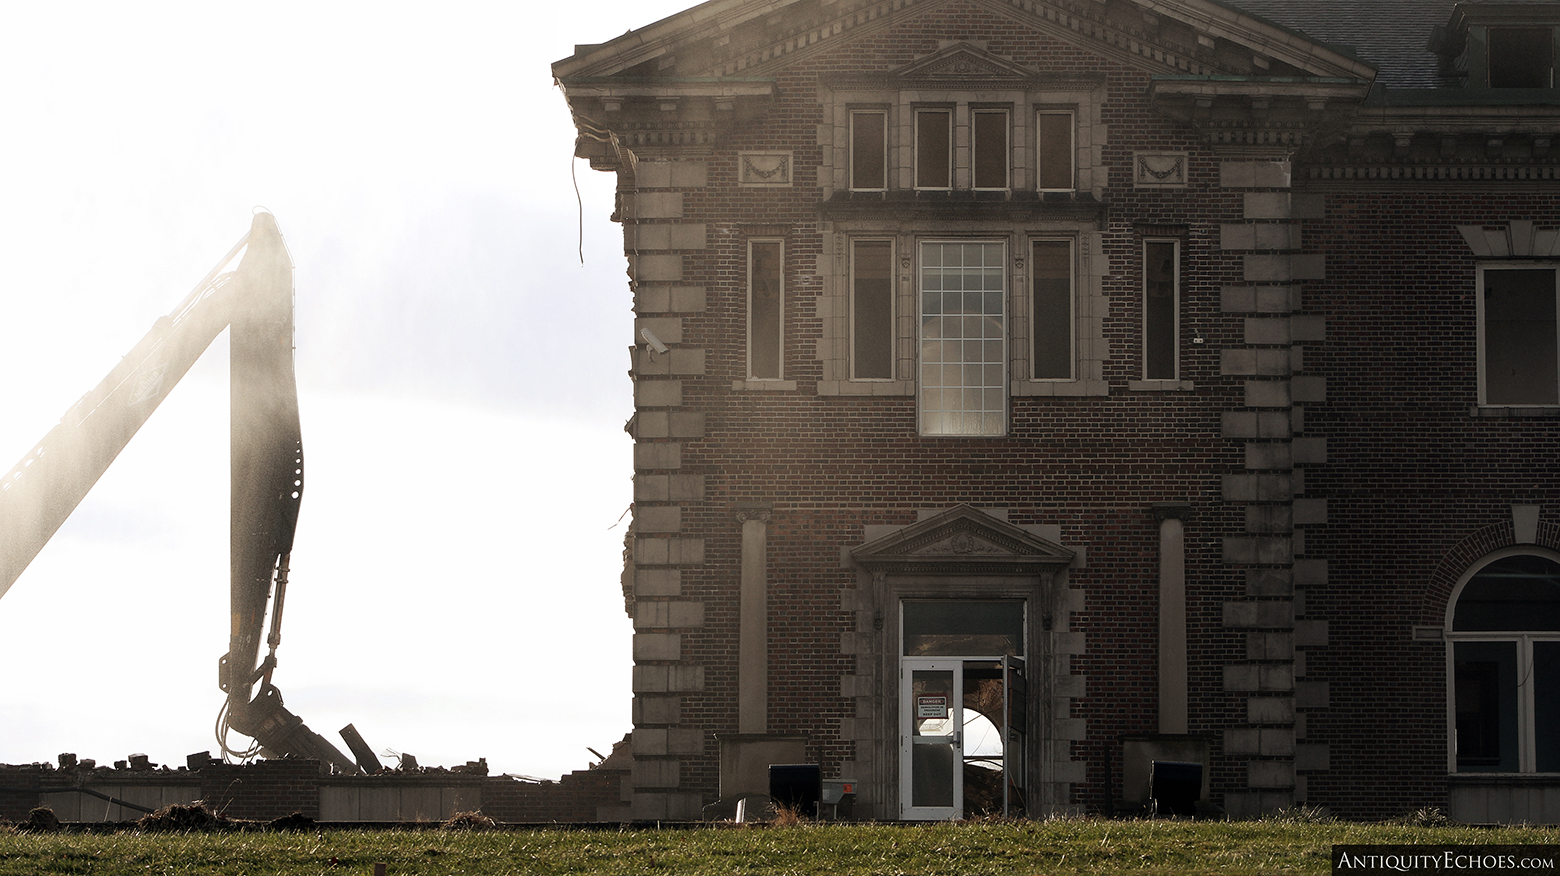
<point>962,61</point>
<point>963,539</point>
<point>745,38</point>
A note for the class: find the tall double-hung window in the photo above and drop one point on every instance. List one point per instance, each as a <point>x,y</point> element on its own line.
<point>1519,335</point>
<point>1161,309</point>
<point>963,369</point>
<point>766,309</point>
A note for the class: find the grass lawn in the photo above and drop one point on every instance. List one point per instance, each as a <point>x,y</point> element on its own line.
<point>1067,846</point>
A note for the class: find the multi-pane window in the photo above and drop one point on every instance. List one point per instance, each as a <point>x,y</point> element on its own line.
<point>990,148</point>
<point>1519,356</point>
<point>1054,151</point>
<point>766,309</point>
<point>1051,310</point>
<point>1161,309</point>
<point>934,148</point>
<point>868,150</point>
<point>871,310</point>
<point>963,368</point>
<point>1505,641</point>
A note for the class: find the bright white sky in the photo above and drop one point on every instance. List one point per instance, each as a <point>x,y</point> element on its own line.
<point>462,376</point>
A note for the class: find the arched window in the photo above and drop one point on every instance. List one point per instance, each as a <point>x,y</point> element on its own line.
<point>1505,655</point>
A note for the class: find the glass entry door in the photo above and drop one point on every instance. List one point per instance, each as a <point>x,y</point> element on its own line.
<point>931,754</point>
<point>962,729</point>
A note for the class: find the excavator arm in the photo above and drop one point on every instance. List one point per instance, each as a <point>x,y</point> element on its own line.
<point>36,497</point>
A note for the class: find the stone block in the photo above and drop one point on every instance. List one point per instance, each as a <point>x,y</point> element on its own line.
<point>1267,394</point>
<point>658,205</point>
<point>657,518</point>
<point>648,709</point>
<point>1270,645</point>
<point>657,582</point>
<point>652,175</point>
<point>1241,676</point>
<point>1276,741</point>
<point>684,740</point>
<point>657,646</point>
<point>1274,424</point>
<point>657,394</point>
<point>1268,455</point>
<point>656,267</point>
<point>1274,363</point>
<point>691,235</point>
<point>1269,518</point>
<point>1278,299</point>
<point>1270,774</point>
<point>1242,741</point>
<point>1237,361</point>
<point>652,488</point>
<point>1274,614</point>
<point>1276,677</point>
<point>1254,174</point>
<point>1268,205</point>
<point>655,773</point>
<point>1238,424</point>
<point>1273,487</point>
<point>1266,330</point>
<point>657,456</point>
<point>669,329</point>
<point>1273,551</point>
<point>667,614</point>
<point>687,487</point>
<point>1270,710</point>
<point>1269,582</point>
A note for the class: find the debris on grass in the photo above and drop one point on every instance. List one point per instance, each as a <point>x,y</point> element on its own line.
<point>179,817</point>
<point>469,821</point>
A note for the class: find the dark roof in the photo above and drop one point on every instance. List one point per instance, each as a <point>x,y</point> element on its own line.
<point>1391,35</point>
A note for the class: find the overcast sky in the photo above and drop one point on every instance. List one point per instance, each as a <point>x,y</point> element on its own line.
<point>462,380</point>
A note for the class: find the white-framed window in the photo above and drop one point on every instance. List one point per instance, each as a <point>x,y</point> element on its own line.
<point>1052,316</point>
<point>962,287</point>
<point>868,150</point>
<point>872,325</point>
<point>1519,334</point>
<point>1503,655</point>
<point>990,148</point>
<point>1161,309</point>
<point>934,148</point>
<point>1056,150</point>
<point>766,309</point>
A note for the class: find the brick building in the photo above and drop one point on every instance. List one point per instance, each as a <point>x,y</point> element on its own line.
<point>1030,390</point>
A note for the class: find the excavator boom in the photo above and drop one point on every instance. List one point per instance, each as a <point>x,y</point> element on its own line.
<point>36,497</point>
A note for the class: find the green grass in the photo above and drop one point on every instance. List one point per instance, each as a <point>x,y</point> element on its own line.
<point>1081,846</point>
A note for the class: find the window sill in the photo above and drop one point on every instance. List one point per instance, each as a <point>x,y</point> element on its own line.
<point>1161,385</point>
<point>866,388</point>
<point>1515,412</point>
<point>763,385</point>
<point>1059,388</point>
